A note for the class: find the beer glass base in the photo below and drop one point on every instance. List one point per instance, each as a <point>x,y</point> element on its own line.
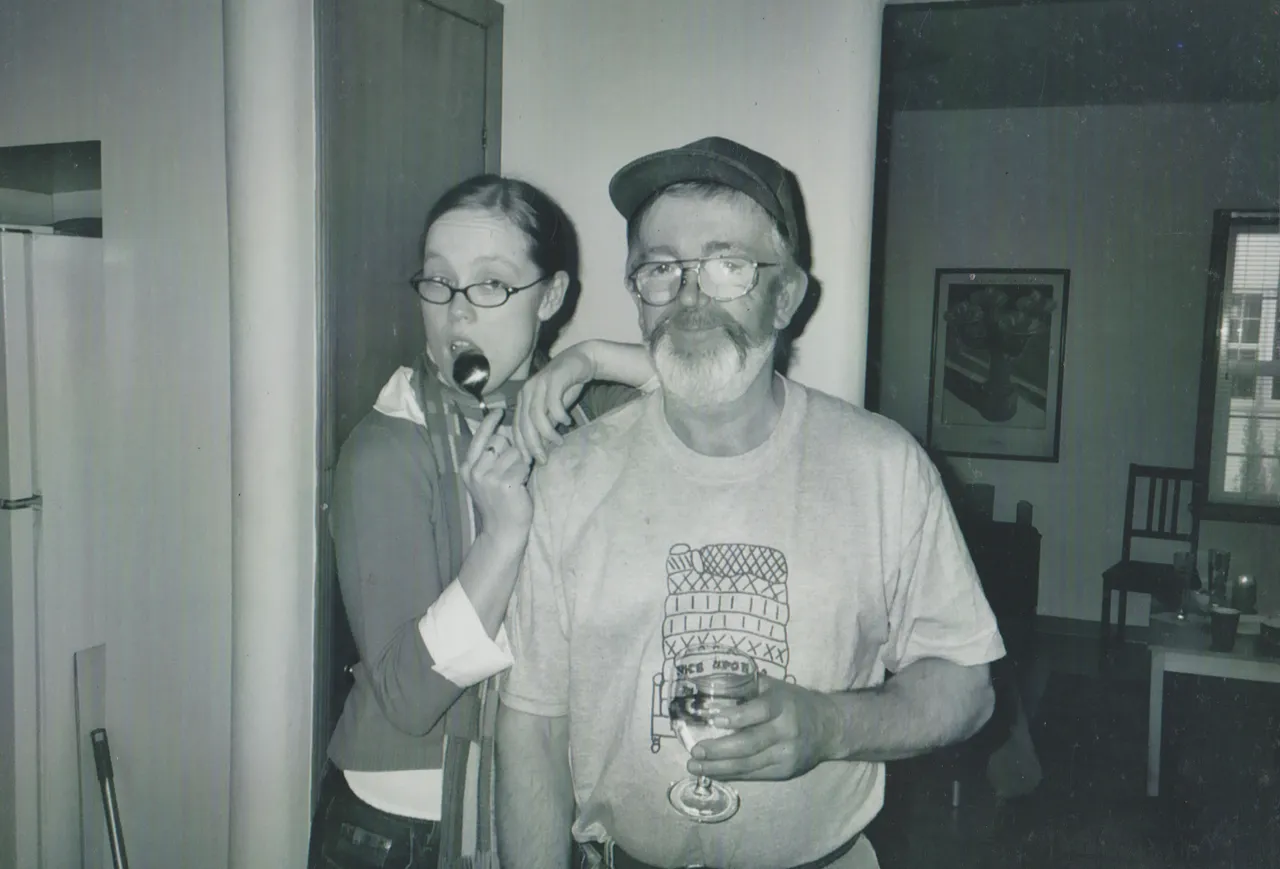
<point>718,803</point>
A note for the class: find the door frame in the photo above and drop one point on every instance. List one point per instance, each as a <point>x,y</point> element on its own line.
<point>487,14</point>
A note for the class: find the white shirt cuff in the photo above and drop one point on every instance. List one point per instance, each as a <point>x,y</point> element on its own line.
<point>459,645</point>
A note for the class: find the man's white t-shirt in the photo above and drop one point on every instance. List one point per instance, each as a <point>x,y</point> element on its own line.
<point>829,553</point>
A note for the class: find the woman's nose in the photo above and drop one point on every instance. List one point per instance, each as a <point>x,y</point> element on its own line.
<point>460,308</point>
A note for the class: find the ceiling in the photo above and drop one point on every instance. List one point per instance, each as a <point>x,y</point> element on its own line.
<point>983,54</point>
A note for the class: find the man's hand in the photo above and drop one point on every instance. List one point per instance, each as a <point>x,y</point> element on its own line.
<point>782,734</point>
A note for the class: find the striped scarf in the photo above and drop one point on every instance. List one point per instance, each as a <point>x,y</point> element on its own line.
<point>471,721</point>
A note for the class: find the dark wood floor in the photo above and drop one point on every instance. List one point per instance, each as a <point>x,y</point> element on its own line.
<point>1220,795</point>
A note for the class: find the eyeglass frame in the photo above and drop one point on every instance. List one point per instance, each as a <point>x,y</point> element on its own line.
<point>420,278</point>
<point>696,264</point>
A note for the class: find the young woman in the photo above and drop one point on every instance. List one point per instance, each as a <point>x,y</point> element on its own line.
<point>429,517</point>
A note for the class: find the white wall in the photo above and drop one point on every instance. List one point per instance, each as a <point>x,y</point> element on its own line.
<point>147,80</point>
<point>589,85</point>
<point>1124,198</point>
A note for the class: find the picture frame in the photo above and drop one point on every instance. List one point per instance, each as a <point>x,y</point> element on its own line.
<point>998,363</point>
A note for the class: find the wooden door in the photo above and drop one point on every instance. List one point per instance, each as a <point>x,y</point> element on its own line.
<point>409,104</point>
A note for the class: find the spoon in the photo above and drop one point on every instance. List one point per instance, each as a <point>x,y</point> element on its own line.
<point>471,373</point>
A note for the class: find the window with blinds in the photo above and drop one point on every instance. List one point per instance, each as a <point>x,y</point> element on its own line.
<point>1245,451</point>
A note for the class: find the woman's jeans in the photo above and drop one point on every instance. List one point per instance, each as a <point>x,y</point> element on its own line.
<point>348,833</point>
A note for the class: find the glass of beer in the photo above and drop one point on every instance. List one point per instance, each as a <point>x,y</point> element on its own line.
<point>708,679</point>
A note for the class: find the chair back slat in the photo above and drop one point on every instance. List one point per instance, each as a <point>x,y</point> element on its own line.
<point>1163,518</point>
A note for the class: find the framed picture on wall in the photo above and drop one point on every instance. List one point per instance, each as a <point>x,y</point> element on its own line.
<point>995,388</point>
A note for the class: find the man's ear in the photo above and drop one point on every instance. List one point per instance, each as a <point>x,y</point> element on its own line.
<point>794,283</point>
<point>553,294</point>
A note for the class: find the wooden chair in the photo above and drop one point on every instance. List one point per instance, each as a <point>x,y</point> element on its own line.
<point>1168,494</point>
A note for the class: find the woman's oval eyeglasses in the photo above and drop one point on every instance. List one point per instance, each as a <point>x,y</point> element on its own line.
<point>485,294</point>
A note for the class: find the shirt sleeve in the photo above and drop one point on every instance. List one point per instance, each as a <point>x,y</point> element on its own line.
<point>537,623</point>
<point>600,397</point>
<point>936,605</point>
<point>381,518</point>
<point>460,646</point>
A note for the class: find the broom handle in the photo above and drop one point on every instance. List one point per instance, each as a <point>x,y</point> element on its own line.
<point>106,779</point>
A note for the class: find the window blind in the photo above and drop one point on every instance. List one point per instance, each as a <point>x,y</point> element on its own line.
<point>1247,430</point>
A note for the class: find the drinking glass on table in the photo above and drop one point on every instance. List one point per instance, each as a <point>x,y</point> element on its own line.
<point>709,678</point>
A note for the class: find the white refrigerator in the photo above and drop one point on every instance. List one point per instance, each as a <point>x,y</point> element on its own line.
<point>54,354</point>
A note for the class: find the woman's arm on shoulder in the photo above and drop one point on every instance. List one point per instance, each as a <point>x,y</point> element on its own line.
<point>615,371</point>
<point>617,362</point>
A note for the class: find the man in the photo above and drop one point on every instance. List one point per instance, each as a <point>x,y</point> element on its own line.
<point>731,505</point>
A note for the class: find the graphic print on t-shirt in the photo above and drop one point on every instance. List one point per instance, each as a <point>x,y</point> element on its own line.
<point>729,593</point>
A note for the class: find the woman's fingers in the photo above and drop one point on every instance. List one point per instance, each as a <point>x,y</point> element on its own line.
<point>547,434</point>
<point>542,412</point>
<point>497,459</point>
<point>566,400</point>
<point>509,466</point>
<point>540,424</point>
<point>490,455</point>
<point>524,430</point>
<point>484,433</point>
<point>519,441</point>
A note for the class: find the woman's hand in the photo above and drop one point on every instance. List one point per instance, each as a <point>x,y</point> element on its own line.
<point>545,400</point>
<point>495,473</point>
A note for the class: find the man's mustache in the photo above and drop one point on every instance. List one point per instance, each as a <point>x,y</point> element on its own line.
<point>695,321</point>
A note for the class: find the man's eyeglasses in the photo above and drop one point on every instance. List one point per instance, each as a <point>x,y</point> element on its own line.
<point>485,294</point>
<point>723,278</point>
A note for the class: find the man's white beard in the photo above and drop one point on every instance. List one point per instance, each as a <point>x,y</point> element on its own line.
<point>717,375</point>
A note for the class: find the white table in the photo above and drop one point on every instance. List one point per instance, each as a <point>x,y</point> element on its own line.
<point>1183,647</point>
